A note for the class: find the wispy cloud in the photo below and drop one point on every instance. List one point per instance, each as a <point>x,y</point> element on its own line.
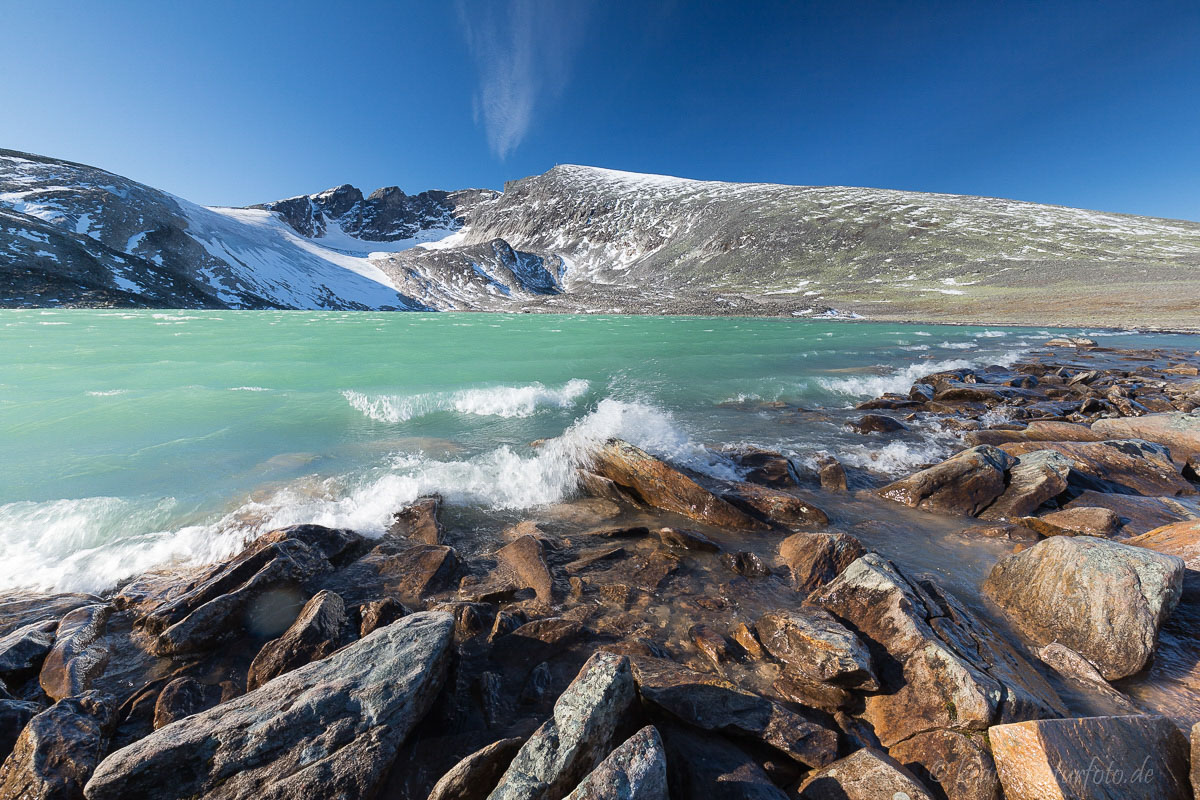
<point>522,50</point>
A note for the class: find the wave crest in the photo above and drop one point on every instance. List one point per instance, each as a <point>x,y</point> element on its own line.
<point>497,401</point>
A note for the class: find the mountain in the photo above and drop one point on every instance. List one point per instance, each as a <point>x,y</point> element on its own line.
<point>588,239</point>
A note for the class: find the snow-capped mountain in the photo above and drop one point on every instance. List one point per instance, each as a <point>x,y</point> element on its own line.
<point>589,239</point>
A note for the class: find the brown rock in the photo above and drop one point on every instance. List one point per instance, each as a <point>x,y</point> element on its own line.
<point>748,641</point>
<point>687,540</point>
<point>1102,599</point>
<point>1180,539</point>
<point>14,716</point>
<point>810,641</point>
<point>1121,466</point>
<point>1098,758</point>
<point>657,484</point>
<point>524,557</point>
<point>746,564</point>
<point>377,613</point>
<point>864,775</point>
<point>957,764</point>
<point>321,629</point>
<point>944,667</point>
<point>1003,530</point>
<point>713,768</point>
<point>20,607</point>
<point>774,506</point>
<point>964,484</point>
<point>79,655</point>
<point>1141,514</point>
<point>475,776</point>
<point>832,474</point>
<point>1036,478</point>
<point>712,645</point>
<point>57,751</point>
<point>1081,520</point>
<point>815,559</point>
<point>419,521</point>
<point>877,423</point>
<point>1037,431</point>
<point>411,572</point>
<point>536,641</point>
<point>181,698</point>
<point>1074,667</point>
<point>766,467</point>
<point>1180,432</point>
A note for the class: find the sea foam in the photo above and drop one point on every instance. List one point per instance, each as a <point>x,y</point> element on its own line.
<point>497,401</point>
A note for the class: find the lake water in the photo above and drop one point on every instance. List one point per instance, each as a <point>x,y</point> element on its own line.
<point>130,439</point>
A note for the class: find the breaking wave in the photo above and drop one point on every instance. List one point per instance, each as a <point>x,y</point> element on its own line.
<point>497,401</point>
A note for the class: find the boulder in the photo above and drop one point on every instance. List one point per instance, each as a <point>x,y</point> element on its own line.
<point>411,572</point>
<point>20,607</point>
<point>711,703</point>
<point>523,556</point>
<point>773,506</point>
<point>815,559</point>
<point>1127,466</point>
<point>1037,431</point>
<point>1180,432</point>
<point>832,474</point>
<point>1140,514</point>
<point>655,483</point>
<point>964,484</point>
<point>23,651</point>
<point>958,766</point>
<point>1137,757</point>
<point>1181,539</point>
<point>79,654</point>
<point>328,729</point>
<point>419,521</point>
<point>181,698</point>
<point>321,628</point>
<point>56,752</point>
<point>877,423</point>
<point>14,715</point>
<point>866,774</point>
<point>711,767</point>
<point>637,770</point>
<point>810,641</point>
<point>766,467</point>
<point>1078,521</point>
<point>938,665</point>
<point>1103,599</point>
<point>475,776</point>
<point>375,614</point>
<point>255,590</point>
<point>1036,478</point>
<point>587,717</point>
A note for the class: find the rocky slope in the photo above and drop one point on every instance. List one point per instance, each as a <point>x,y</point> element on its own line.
<point>590,239</point>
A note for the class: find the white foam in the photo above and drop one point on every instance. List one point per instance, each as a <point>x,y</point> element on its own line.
<point>896,382</point>
<point>496,401</point>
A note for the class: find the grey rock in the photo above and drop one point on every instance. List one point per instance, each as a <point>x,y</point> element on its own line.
<point>328,729</point>
<point>181,698</point>
<point>864,775</point>
<point>711,767</point>
<point>1105,600</point>
<point>23,651</point>
<point>14,715</point>
<point>637,770</point>
<point>79,655</point>
<point>56,753</point>
<point>321,628</point>
<point>587,718</point>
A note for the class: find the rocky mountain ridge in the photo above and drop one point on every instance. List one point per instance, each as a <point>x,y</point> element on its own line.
<point>586,239</point>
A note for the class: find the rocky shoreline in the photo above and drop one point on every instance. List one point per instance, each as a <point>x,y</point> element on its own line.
<point>670,634</point>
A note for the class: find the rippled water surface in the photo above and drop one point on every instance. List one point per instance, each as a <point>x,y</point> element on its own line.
<point>129,439</point>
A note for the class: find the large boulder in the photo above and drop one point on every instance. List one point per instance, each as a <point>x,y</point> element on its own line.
<point>1180,432</point>
<point>938,665</point>
<point>1099,758</point>
<point>866,774</point>
<point>814,559</point>
<point>1103,599</point>
<point>23,651</point>
<point>1129,466</point>
<point>957,765</point>
<point>587,718</point>
<point>56,753</point>
<point>475,776</point>
<point>321,628</point>
<point>810,641</point>
<point>1140,514</point>
<point>1036,478</point>
<point>966,483</point>
<point>1038,431</point>
<point>637,770</point>
<point>655,483</point>
<point>79,654</point>
<point>328,729</point>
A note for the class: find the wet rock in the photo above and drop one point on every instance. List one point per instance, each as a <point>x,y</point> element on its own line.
<point>1131,466</point>
<point>582,731</point>
<point>377,613</point>
<point>810,641</point>
<point>20,607</point>
<point>653,570</point>
<point>747,639</point>
<point>1081,520</point>
<point>964,484</point>
<point>79,655</point>
<point>419,521</point>
<point>746,564</point>
<point>864,775</point>
<point>637,770</point>
<point>1074,667</point>
<point>1003,530</point>
<point>815,559</point>
<point>181,698</point>
<point>657,484</point>
<point>1102,599</point>
<point>328,729</point>
<point>524,557</point>
<point>475,776</point>
<point>595,558</point>
<point>712,645</point>
<point>1036,478</point>
<point>1071,341</point>
<point>937,664</point>
<point>254,590</point>
<point>687,540</point>
<point>1101,758</point>
<point>619,532</point>
<point>775,507</point>
<point>23,651</point>
<point>956,765</point>
<point>877,423</point>
<point>321,628</point>
<point>766,467</point>
<point>712,703</point>
<point>710,767</point>
<point>412,573</point>
<point>14,715</point>
<point>56,752</point>
<point>1196,759</point>
<point>1179,432</point>
<point>598,487</point>
<point>537,684</point>
<point>986,393</point>
<point>537,641</point>
<point>831,474</point>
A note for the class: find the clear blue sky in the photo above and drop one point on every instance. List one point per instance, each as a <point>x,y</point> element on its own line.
<point>1093,104</point>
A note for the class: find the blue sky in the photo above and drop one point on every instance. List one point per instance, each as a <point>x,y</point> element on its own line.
<point>1093,104</point>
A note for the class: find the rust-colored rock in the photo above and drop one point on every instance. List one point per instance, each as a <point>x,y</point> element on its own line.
<point>419,521</point>
<point>815,559</point>
<point>1180,432</point>
<point>956,763</point>
<point>1081,520</point>
<point>1180,539</point>
<point>775,507</point>
<point>524,557</point>
<point>864,775</point>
